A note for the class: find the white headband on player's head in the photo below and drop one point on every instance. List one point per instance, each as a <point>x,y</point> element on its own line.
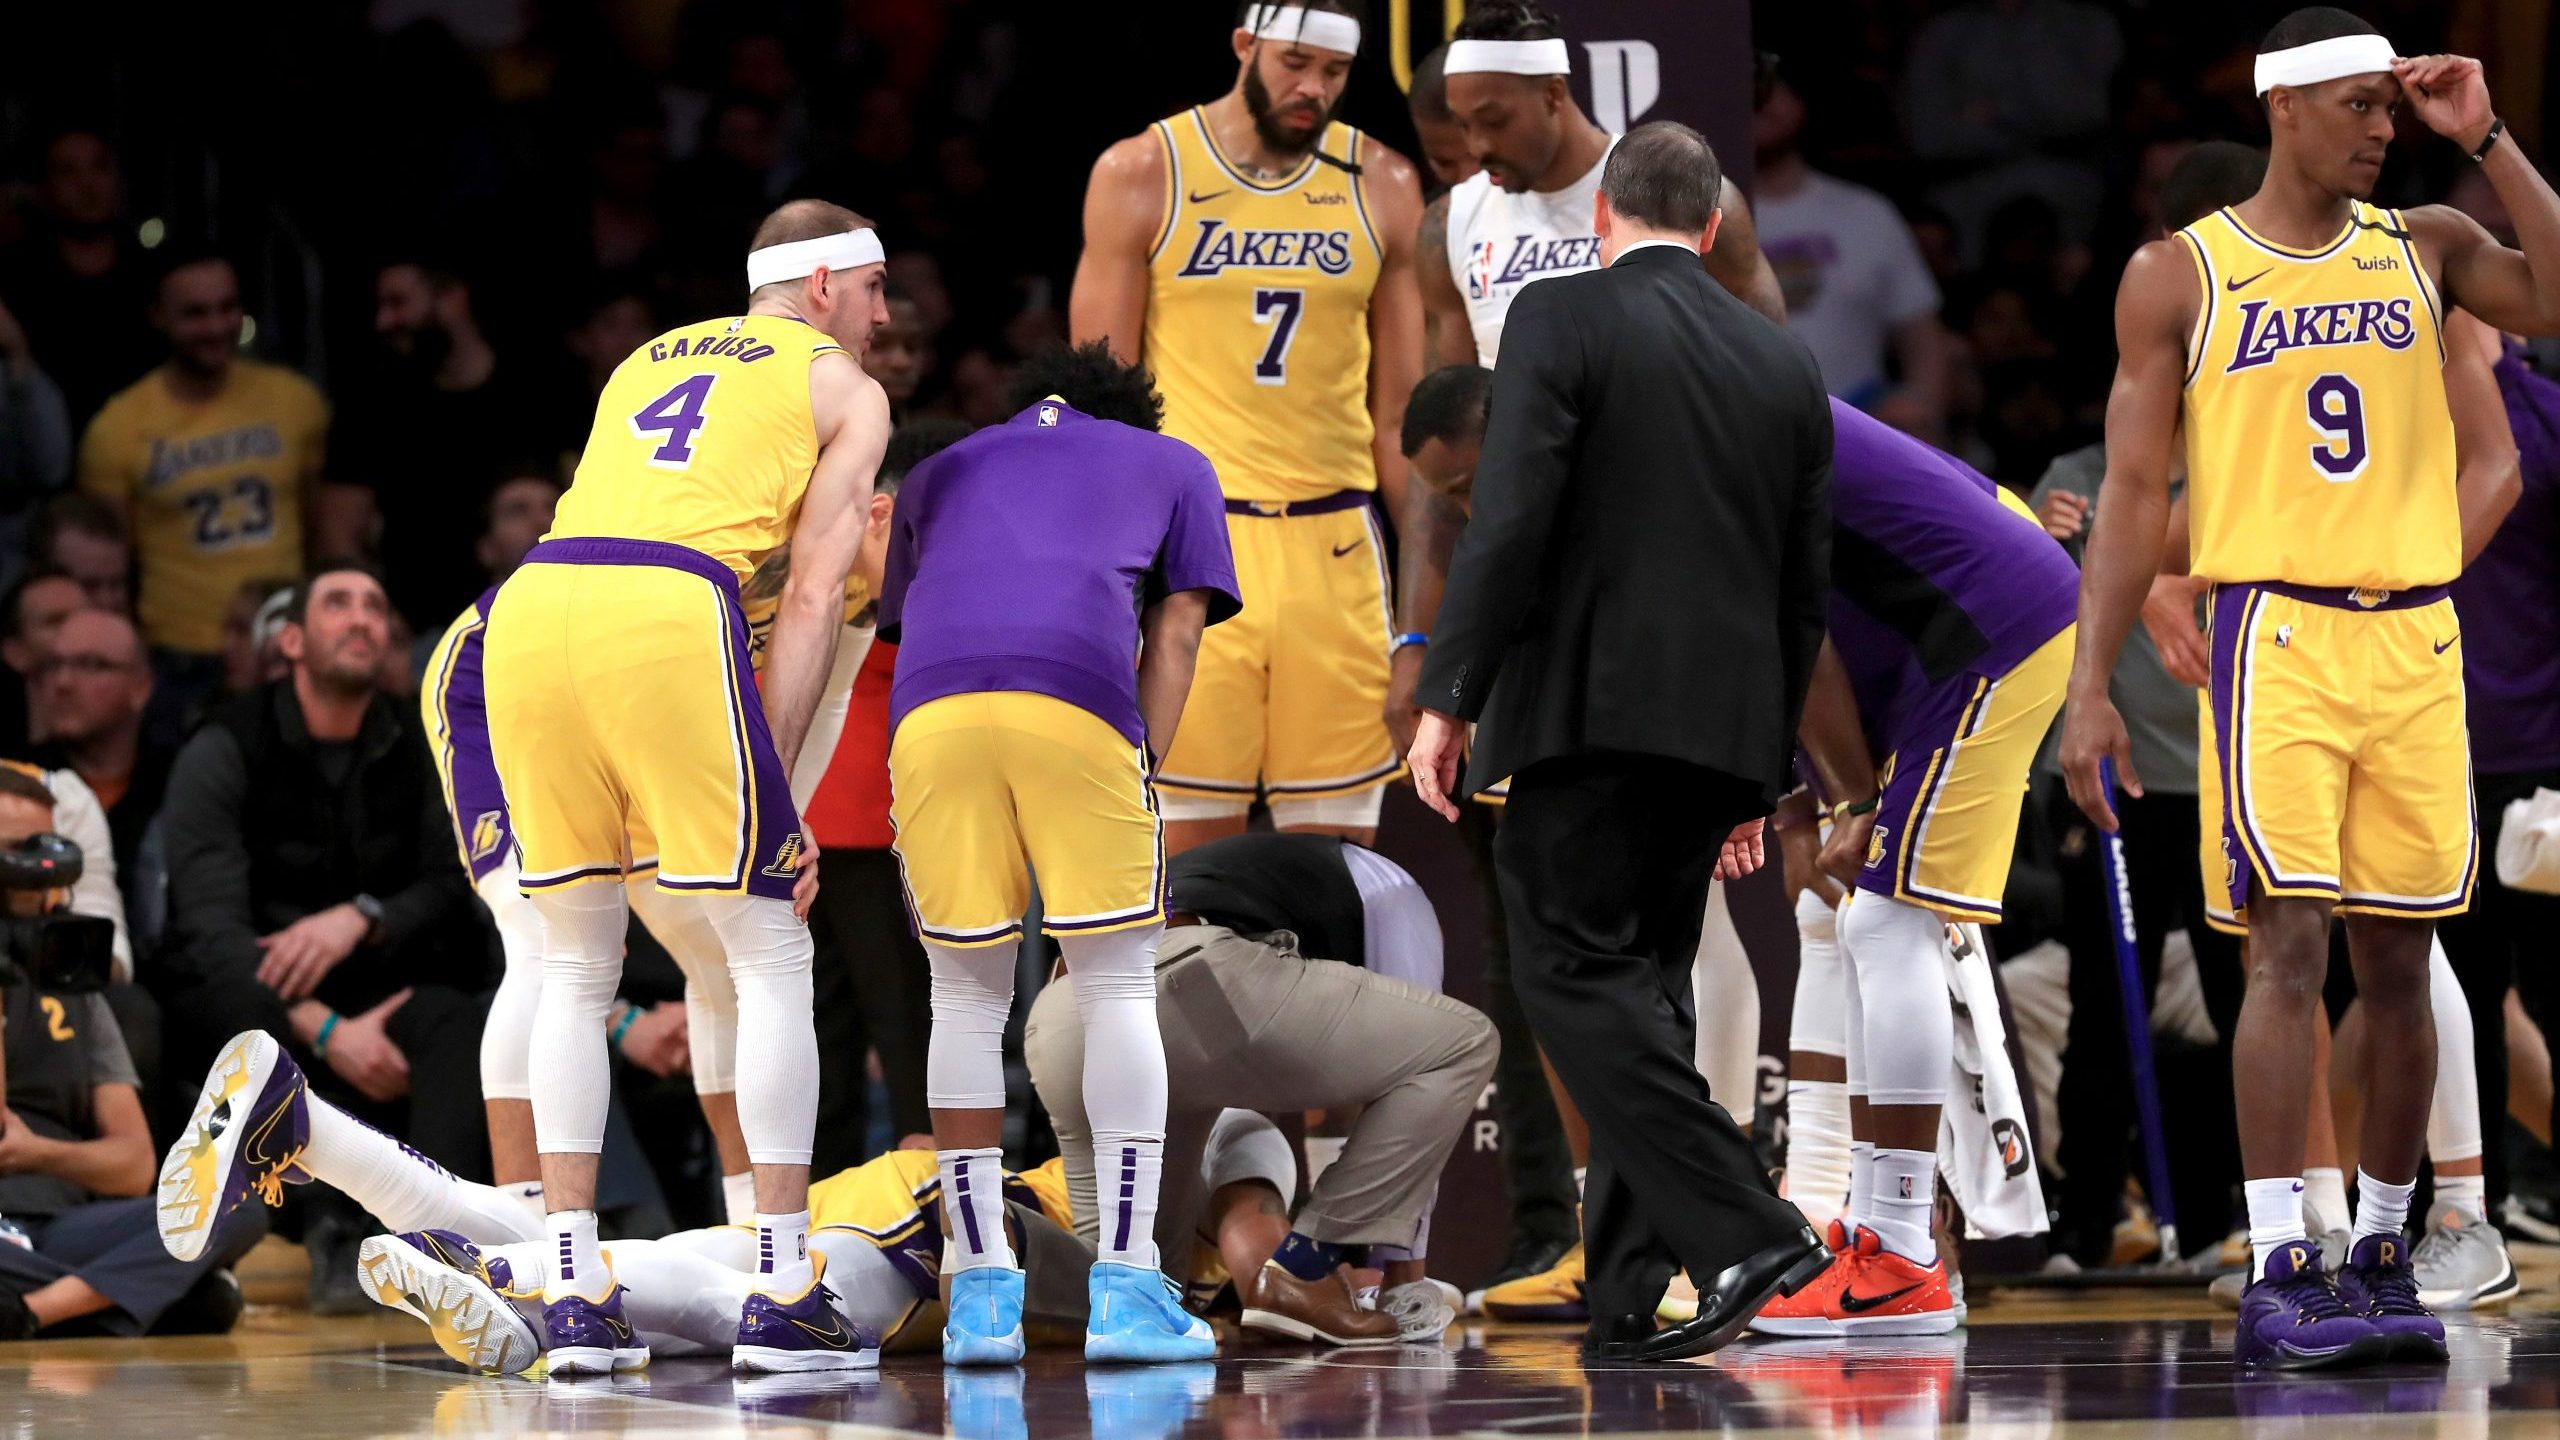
<point>1296,24</point>
<point>1508,57</point>
<point>2333,59</point>
<point>798,259</point>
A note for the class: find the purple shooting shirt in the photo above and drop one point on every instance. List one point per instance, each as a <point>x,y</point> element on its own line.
<point>1021,557</point>
<point>1932,577</point>
<point>2509,598</point>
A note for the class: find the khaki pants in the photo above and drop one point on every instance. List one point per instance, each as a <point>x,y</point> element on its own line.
<point>1248,1025</point>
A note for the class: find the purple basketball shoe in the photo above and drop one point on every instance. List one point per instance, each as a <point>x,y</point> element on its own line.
<point>2378,1283</point>
<point>250,1125</point>
<point>590,1337</point>
<point>803,1333</point>
<point>2293,1319</point>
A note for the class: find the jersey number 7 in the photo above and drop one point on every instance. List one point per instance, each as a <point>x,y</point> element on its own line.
<point>678,415</point>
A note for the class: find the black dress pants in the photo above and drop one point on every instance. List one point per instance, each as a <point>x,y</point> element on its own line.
<point>1604,861</point>
<point>1537,1161</point>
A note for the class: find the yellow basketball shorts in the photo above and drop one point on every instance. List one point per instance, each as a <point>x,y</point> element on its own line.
<point>1955,782</point>
<point>622,707</point>
<point>1289,697</point>
<point>987,788</point>
<point>2338,732</point>
<point>2215,852</point>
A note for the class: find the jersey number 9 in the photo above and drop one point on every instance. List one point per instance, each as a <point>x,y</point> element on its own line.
<point>2336,407</point>
<point>678,416</point>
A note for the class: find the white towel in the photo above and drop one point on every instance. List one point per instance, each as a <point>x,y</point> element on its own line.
<point>2529,844</point>
<point>1983,1152</point>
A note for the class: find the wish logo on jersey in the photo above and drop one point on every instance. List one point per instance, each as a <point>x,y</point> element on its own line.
<point>2266,332</point>
<point>1528,257</point>
<point>1220,246</point>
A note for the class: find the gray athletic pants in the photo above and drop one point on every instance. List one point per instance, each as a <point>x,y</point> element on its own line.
<point>1249,1025</point>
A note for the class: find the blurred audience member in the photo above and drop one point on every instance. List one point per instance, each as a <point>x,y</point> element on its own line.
<point>41,603</point>
<point>75,282</point>
<point>209,460</point>
<point>2009,97</point>
<point>96,680</point>
<point>900,354</point>
<point>519,513</point>
<point>35,427</point>
<point>1854,279</point>
<point>84,537</point>
<point>619,318</point>
<point>436,375</point>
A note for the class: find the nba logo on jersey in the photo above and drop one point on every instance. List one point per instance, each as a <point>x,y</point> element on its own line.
<point>486,832</point>
<point>1049,415</point>
<point>1905,1183</point>
<point>1480,270</point>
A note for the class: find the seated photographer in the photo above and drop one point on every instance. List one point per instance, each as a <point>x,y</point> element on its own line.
<point>314,893</point>
<point>75,1156</point>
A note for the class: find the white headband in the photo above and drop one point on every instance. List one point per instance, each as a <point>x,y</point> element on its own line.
<point>2325,60</point>
<point>1508,57</point>
<point>797,259</point>
<point>1324,29</point>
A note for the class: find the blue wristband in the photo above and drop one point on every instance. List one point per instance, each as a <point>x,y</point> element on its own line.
<point>320,1042</point>
<point>1412,637</point>
<point>621,1028</point>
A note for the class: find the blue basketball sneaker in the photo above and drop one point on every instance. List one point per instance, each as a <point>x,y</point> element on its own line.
<point>250,1125</point>
<point>590,1337</point>
<point>2378,1283</point>
<point>1136,1316</point>
<point>465,1298</point>
<point>803,1333</point>
<point>2294,1319</point>
<point>984,1325</point>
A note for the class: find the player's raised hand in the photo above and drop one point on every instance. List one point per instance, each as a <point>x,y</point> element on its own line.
<point>2448,92</point>
<point>2092,732</point>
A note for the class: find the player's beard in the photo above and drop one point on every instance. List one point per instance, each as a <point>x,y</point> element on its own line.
<point>1266,118</point>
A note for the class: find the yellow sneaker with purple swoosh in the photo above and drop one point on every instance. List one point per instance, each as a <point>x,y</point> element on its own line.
<point>249,1126</point>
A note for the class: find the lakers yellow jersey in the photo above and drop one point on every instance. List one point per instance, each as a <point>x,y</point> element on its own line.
<point>2319,445</point>
<point>215,490</point>
<point>1258,315</point>
<point>703,438</point>
<point>761,597</point>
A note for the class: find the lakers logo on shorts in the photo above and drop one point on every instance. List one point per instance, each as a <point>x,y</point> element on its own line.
<point>1875,845</point>
<point>487,833</point>
<point>786,860</point>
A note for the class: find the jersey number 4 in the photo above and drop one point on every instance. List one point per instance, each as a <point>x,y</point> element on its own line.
<point>1281,309</point>
<point>678,416</point>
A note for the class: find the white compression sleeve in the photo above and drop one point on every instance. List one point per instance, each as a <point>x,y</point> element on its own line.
<point>1727,996</point>
<point>404,1189</point>
<point>1817,1110</point>
<point>770,954</point>
<point>826,727</point>
<point>2453,1119</point>
<point>506,1040</point>
<point>681,926</point>
<point>1399,929</point>
<point>583,928</point>
<point>1900,954</point>
<point>1114,976</point>
<point>972,996</point>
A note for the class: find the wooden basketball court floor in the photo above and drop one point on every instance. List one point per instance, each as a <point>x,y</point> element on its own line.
<point>2035,1365</point>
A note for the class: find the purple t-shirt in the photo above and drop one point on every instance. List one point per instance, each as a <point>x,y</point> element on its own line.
<point>2509,598</point>
<point>1931,576</point>
<point>1021,558</point>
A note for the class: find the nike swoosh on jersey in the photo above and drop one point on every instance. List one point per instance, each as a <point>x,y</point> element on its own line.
<point>2236,283</point>
<point>2444,645</point>
<point>1341,550</point>
<point>1200,199</point>
<point>1855,1303</point>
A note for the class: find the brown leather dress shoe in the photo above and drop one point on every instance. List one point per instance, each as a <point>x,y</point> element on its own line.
<point>1326,1310</point>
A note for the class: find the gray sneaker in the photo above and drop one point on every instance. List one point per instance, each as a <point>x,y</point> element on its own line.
<point>2462,1263</point>
<point>2226,1289</point>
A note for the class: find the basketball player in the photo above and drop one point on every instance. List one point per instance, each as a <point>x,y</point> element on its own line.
<point>617,674</point>
<point>1444,140</point>
<point>1257,256</point>
<point>2337,705</point>
<point>1048,581</point>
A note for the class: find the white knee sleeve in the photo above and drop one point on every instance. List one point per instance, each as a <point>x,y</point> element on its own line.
<point>1819,1020</point>
<point>506,1041</point>
<point>1909,1037</point>
<point>770,954</point>
<point>1853,1020</point>
<point>1115,988</point>
<point>2453,1120</point>
<point>1818,1110</point>
<point>972,996</point>
<point>1347,812</point>
<point>683,928</point>
<point>1727,995</point>
<point>572,1080</point>
<point>1175,806</point>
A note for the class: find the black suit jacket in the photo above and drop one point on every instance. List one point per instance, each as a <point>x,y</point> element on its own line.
<point>1650,546</point>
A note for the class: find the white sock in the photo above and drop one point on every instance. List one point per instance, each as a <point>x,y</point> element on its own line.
<point>1817,1147</point>
<point>577,1261</point>
<point>782,1253</point>
<point>738,1197</point>
<point>2324,1200</point>
<point>1906,1190</point>
<point>770,954</point>
<point>2466,1193</point>
<point>1128,1172</point>
<point>2275,1218</point>
<point>973,1209</point>
<point>404,1189</point>
<point>1862,1182</point>
<point>2381,1208</point>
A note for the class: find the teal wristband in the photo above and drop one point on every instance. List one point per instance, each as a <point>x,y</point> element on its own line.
<point>320,1042</point>
<point>1412,637</point>
<point>621,1028</point>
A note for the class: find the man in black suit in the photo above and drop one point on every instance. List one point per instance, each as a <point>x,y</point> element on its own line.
<point>1633,614</point>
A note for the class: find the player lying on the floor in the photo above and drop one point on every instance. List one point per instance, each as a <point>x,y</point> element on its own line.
<point>468,1258</point>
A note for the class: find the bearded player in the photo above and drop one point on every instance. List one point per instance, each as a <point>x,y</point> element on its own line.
<point>2296,337</point>
<point>1258,256</point>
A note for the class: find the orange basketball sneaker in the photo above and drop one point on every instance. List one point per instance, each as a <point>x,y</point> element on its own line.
<point>1868,1291</point>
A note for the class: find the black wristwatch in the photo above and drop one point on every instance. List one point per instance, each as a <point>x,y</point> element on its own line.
<point>371,910</point>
